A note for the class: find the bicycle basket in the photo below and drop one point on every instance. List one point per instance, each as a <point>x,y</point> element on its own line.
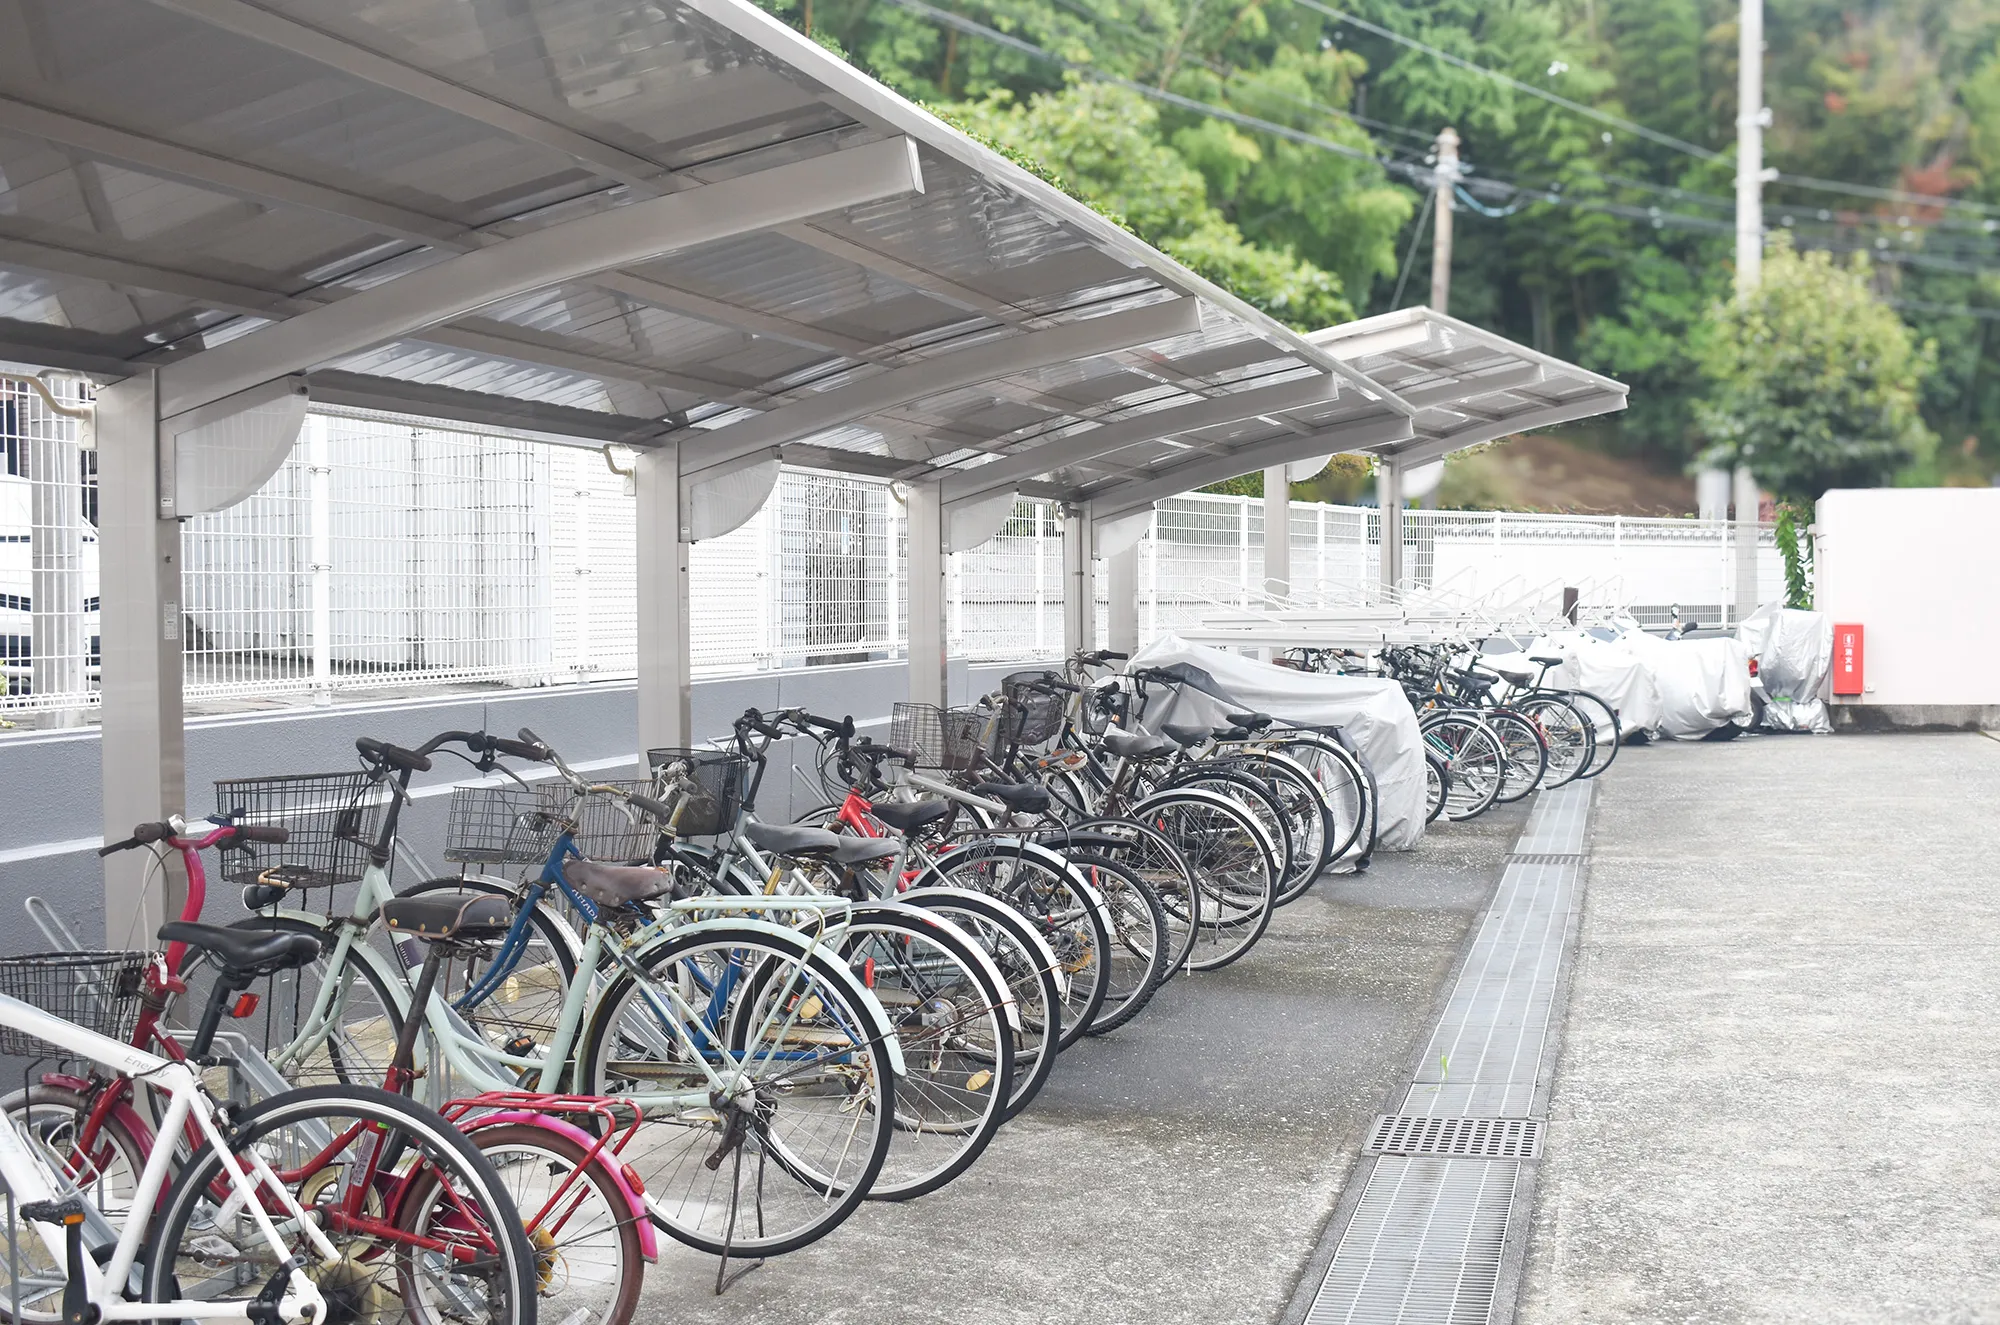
<point>608,828</point>
<point>1034,716</point>
<point>720,778</point>
<point>947,739</point>
<point>97,990</point>
<point>331,819</point>
<point>501,825</point>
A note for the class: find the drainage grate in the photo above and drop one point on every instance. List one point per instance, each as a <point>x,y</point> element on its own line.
<point>1545,858</point>
<point>1423,1247</point>
<point>1456,1138</point>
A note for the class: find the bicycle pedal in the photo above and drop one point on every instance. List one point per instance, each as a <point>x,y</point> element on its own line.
<point>68,1211</point>
<point>518,1047</point>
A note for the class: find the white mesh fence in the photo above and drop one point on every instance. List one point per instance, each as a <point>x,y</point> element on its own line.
<point>393,553</point>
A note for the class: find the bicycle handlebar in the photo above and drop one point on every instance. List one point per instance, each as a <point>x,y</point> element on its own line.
<point>224,835</point>
<point>392,756</point>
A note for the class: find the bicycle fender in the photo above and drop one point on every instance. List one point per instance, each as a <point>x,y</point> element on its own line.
<point>633,1201</point>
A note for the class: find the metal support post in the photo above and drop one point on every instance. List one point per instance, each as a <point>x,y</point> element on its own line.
<point>1277,533</point>
<point>1079,581</point>
<point>139,574</point>
<point>664,639</point>
<point>1748,499</point>
<point>1751,118</point>
<point>1389,501</point>
<point>1447,180</point>
<point>929,681</point>
<point>1121,574</point>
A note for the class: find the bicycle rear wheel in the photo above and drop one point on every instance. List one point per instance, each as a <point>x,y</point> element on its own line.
<point>1527,752</point>
<point>1606,728</point>
<point>1571,742</point>
<point>1233,863</point>
<point>1474,763</point>
<point>423,1224</point>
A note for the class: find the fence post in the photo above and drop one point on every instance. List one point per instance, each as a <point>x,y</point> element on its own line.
<point>55,560</point>
<point>319,533</point>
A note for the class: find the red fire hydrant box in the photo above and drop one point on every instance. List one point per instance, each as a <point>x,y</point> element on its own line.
<point>1847,659</point>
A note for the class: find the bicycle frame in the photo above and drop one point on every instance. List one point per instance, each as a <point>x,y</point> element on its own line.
<point>30,1179</point>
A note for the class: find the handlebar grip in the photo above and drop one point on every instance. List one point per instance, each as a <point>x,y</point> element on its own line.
<point>536,743</point>
<point>395,756</point>
<point>272,833</point>
<point>844,728</point>
<point>518,749</point>
<point>1054,684</point>
<point>115,847</point>
<point>658,809</point>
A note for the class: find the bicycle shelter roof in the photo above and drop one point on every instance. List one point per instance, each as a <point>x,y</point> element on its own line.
<point>635,223</point>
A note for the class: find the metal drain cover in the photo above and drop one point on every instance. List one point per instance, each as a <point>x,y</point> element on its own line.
<point>1545,858</point>
<point>1442,1137</point>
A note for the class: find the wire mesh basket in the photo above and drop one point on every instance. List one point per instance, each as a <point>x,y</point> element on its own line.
<point>1034,716</point>
<point>609,828</point>
<point>947,739</point>
<point>97,990</point>
<point>501,825</point>
<point>720,779</point>
<point>331,819</point>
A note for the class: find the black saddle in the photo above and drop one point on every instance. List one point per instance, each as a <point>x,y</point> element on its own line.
<point>1544,660</point>
<point>1137,745</point>
<point>792,839</point>
<point>1250,722</point>
<point>855,850</point>
<point>245,953</point>
<point>909,816</point>
<point>1025,797</point>
<point>1183,735</point>
<point>466,916</point>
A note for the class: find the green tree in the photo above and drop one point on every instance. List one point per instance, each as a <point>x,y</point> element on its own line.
<point>1814,381</point>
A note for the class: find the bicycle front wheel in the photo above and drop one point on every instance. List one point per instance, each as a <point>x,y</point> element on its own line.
<point>423,1227</point>
<point>764,1131</point>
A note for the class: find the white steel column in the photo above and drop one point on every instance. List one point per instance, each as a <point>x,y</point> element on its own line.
<point>1121,574</point>
<point>1079,581</point>
<point>1748,499</point>
<point>139,576</point>
<point>665,641</point>
<point>1389,499</point>
<point>929,683</point>
<point>1277,532</point>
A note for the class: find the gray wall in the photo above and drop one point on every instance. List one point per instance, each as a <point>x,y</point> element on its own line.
<point>50,828</point>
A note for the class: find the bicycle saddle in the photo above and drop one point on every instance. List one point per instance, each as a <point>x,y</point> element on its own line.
<point>864,850</point>
<point>1136,745</point>
<point>792,839</point>
<point>1023,796</point>
<point>1255,722</point>
<point>617,885</point>
<point>1181,735</point>
<point>450,915</point>
<point>909,816</point>
<point>245,952</point>
<point>1545,660</point>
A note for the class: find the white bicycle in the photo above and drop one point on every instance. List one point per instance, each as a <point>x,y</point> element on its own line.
<point>313,1206</point>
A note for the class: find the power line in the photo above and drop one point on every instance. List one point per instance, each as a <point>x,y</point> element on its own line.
<point>1640,130</point>
<point>977,29</point>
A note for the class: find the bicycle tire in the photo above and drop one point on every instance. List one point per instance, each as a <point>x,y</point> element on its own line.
<point>1527,752</point>
<point>1474,760</point>
<point>357,1051</point>
<point>413,1132</point>
<point>1138,935</point>
<point>1233,863</point>
<point>1149,852</point>
<point>1572,743</point>
<point>669,1143</point>
<point>561,1271</point>
<point>1608,723</point>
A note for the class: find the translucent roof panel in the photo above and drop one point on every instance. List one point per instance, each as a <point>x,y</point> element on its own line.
<point>181,176</point>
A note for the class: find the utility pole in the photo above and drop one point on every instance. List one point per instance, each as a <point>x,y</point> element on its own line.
<point>1752,117</point>
<point>1447,179</point>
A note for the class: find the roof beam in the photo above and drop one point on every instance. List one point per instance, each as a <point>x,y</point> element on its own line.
<point>984,362</point>
<point>185,165</point>
<point>1119,498</point>
<point>1588,406</point>
<point>916,277</point>
<point>1078,448</point>
<point>502,340</point>
<point>337,53</point>
<point>541,258</point>
<point>367,391</point>
<point>1449,394</point>
<point>70,259</point>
